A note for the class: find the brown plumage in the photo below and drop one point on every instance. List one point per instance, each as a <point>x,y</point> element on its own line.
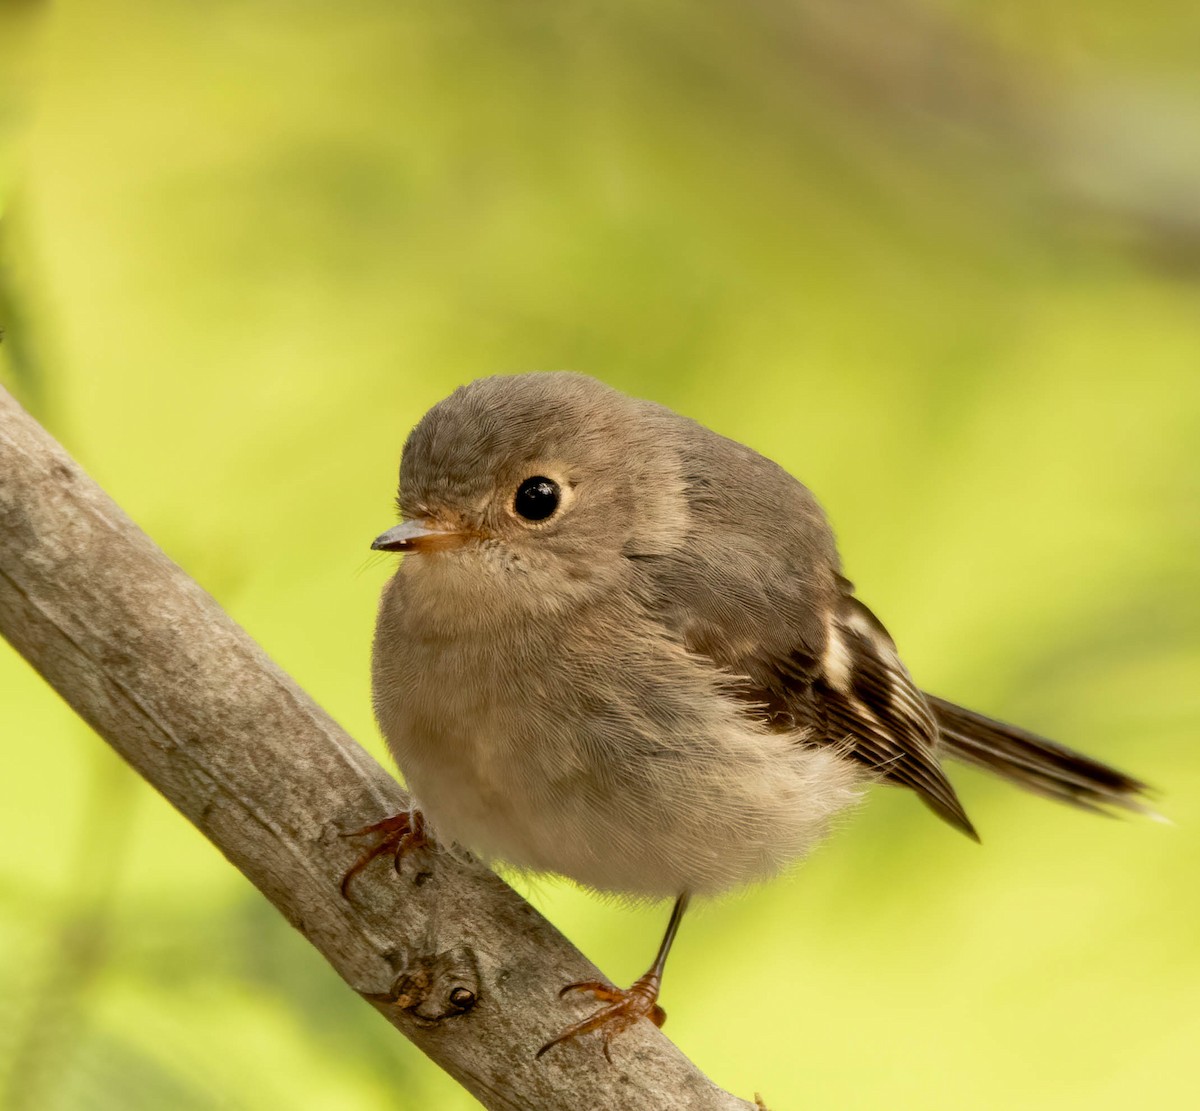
<point>623,650</point>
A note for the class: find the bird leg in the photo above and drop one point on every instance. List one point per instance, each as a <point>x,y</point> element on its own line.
<point>624,1007</point>
<point>398,835</point>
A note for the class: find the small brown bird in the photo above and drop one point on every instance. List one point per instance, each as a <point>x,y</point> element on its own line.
<point>623,651</point>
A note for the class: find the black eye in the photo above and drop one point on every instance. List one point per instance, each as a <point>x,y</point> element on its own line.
<point>537,498</point>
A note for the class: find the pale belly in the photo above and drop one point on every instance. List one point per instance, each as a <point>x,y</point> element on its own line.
<point>634,772</point>
<point>623,812</point>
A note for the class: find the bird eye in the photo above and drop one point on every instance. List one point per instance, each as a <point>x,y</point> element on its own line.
<point>537,498</point>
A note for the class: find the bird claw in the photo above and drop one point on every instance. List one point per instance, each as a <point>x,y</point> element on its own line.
<point>399,835</point>
<point>624,1009</point>
<point>598,988</point>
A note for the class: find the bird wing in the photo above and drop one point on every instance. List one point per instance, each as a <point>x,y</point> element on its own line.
<point>860,695</point>
<point>822,666</point>
<point>756,590</point>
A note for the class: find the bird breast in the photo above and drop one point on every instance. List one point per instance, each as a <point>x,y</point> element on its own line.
<point>602,750</point>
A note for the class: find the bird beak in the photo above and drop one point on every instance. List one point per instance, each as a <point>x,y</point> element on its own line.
<point>418,536</point>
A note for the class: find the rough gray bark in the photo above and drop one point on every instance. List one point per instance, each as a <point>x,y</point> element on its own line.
<point>159,670</point>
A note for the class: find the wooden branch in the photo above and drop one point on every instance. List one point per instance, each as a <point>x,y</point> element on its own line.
<point>160,671</point>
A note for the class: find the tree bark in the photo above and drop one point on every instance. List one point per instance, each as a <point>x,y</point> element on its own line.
<point>447,952</point>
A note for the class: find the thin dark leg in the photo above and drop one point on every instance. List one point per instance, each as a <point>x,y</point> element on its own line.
<point>656,969</point>
<point>625,1007</point>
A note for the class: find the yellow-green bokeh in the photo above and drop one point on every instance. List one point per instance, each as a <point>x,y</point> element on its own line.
<point>938,260</point>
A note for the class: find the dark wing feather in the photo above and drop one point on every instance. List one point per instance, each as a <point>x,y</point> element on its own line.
<point>855,694</point>
<point>864,697</point>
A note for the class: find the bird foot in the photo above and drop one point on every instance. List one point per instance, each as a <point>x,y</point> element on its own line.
<point>398,835</point>
<point>623,1010</point>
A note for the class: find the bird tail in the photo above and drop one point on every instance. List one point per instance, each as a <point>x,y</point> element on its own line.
<point>1035,763</point>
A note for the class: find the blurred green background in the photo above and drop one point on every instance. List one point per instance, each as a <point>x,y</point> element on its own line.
<point>941,260</point>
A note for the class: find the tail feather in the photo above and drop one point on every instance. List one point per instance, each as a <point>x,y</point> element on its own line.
<point>1035,763</point>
